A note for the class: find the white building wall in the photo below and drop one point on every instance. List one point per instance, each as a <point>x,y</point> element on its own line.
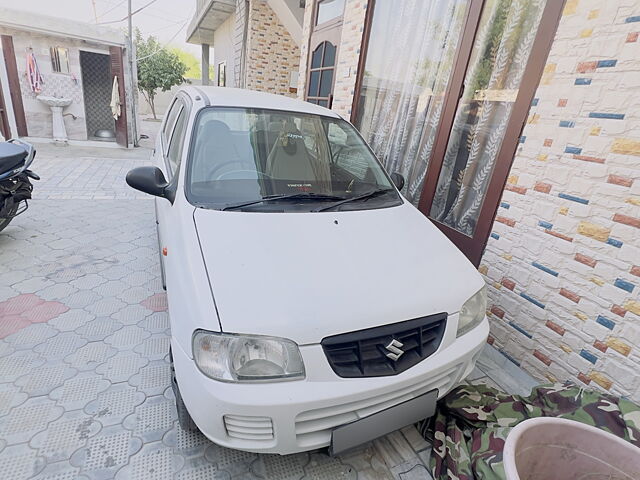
<point>224,51</point>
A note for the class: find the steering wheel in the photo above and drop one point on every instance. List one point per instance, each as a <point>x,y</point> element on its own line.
<point>252,172</point>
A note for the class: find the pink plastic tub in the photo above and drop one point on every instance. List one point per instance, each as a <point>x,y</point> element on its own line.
<point>548,448</point>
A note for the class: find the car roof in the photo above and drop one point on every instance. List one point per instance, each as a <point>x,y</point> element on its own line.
<point>238,97</point>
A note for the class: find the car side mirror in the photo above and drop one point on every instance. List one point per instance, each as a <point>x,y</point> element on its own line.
<point>398,180</point>
<point>148,180</point>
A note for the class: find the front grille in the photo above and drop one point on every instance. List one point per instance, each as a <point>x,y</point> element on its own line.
<point>249,428</point>
<point>313,427</point>
<point>371,352</point>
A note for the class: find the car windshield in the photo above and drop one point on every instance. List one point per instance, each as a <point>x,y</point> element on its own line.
<point>266,160</point>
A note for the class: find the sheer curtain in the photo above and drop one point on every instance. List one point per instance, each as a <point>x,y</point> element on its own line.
<point>500,53</point>
<point>409,62</point>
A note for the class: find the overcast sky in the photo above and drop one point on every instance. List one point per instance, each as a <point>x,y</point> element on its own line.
<point>165,19</point>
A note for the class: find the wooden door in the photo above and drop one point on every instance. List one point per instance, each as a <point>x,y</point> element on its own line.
<point>14,85</point>
<point>117,70</point>
<point>323,51</point>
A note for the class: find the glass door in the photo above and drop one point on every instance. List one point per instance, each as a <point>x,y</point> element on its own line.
<point>410,55</point>
<point>478,136</point>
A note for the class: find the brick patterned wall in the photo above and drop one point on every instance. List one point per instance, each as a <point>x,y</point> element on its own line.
<point>304,48</point>
<point>563,261</point>
<point>348,54</point>
<point>272,53</point>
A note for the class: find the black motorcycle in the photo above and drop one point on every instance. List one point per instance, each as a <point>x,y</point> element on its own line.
<point>15,188</point>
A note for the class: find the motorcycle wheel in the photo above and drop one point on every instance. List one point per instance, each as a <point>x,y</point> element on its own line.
<point>4,221</point>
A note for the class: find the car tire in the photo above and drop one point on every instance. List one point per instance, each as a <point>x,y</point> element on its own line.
<point>184,417</point>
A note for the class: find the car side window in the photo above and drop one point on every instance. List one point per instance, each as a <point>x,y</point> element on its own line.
<point>177,141</point>
<point>167,128</point>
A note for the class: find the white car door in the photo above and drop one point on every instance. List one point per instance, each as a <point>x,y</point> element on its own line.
<point>168,153</point>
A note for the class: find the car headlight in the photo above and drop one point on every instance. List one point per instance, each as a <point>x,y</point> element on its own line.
<point>246,358</point>
<point>472,312</point>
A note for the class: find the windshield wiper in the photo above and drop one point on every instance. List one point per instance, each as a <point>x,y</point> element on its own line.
<point>364,196</point>
<point>290,196</point>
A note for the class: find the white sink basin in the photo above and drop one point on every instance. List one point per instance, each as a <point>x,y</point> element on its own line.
<point>53,101</point>
<point>57,105</point>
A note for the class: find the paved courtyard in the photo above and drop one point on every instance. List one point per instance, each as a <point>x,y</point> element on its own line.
<point>84,335</point>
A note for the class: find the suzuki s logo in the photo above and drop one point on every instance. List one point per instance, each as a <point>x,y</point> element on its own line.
<point>395,350</point>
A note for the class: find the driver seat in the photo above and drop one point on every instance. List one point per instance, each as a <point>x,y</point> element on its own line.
<point>218,147</point>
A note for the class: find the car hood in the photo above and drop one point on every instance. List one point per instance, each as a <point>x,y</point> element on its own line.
<point>306,276</point>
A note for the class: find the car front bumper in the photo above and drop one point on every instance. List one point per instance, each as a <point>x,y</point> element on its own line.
<point>294,416</point>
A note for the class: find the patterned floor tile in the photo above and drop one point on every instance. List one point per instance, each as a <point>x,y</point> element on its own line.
<point>91,355</point>
<point>198,468</point>
<point>60,471</point>
<point>284,467</point>
<point>324,467</point>
<point>127,337</point>
<point>31,335</point>
<point>154,461</point>
<point>98,329</point>
<point>106,452</point>
<point>153,379</point>
<point>122,366</point>
<point>64,436</point>
<point>60,346</point>
<point>27,419</point>
<point>132,315</point>
<point>233,461</point>
<point>114,404</point>
<point>71,320</point>
<point>46,378</point>
<point>19,462</point>
<point>155,347</point>
<point>19,363</point>
<point>79,390</point>
<point>153,419</point>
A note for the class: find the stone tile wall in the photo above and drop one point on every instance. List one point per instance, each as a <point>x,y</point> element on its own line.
<point>272,53</point>
<point>563,261</point>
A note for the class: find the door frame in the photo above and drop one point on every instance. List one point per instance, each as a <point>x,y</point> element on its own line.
<point>473,247</point>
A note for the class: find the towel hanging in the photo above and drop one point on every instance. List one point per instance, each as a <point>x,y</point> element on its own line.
<point>33,73</point>
<point>115,99</point>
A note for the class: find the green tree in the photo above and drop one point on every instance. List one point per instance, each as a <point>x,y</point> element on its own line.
<point>194,69</point>
<point>158,68</point>
<point>190,60</point>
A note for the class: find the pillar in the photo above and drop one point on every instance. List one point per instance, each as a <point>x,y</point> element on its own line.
<point>205,64</point>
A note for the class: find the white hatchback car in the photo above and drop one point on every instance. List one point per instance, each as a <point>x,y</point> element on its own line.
<point>310,304</point>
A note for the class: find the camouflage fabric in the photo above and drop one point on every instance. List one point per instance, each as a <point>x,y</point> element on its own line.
<point>472,422</point>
